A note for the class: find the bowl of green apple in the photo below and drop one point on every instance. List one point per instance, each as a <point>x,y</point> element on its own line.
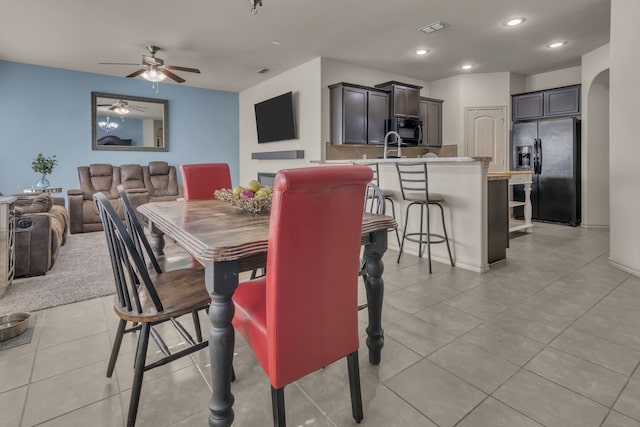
<point>254,197</point>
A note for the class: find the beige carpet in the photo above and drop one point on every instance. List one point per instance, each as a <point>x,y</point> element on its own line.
<point>82,271</point>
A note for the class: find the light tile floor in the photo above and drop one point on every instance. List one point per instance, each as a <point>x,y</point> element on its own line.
<point>551,337</point>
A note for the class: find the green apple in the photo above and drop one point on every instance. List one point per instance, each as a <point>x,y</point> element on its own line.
<point>262,194</point>
<point>253,185</point>
<point>237,191</point>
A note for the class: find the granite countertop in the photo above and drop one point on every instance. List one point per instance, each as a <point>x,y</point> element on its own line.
<point>405,160</point>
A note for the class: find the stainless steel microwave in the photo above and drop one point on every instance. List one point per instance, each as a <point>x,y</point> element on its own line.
<point>410,130</point>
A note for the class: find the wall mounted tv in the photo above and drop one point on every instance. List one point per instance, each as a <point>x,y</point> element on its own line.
<point>275,119</point>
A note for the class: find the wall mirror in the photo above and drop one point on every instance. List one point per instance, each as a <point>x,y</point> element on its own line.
<point>124,123</point>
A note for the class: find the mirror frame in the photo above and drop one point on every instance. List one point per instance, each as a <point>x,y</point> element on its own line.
<point>94,118</point>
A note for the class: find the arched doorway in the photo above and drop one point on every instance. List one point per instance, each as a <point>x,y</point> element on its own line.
<point>596,160</point>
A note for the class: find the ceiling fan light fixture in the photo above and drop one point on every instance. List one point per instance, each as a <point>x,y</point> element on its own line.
<point>153,75</point>
<point>121,110</point>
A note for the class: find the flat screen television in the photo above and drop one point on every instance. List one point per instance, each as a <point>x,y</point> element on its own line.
<point>275,119</point>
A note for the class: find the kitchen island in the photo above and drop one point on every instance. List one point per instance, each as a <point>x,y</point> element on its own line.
<point>463,183</point>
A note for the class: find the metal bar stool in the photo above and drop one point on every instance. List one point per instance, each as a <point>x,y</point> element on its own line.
<point>388,194</point>
<point>414,184</point>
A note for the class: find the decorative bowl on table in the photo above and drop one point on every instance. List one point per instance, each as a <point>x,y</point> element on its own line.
<point>254,198</point>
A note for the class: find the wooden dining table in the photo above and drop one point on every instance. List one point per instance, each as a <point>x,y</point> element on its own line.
<point>228,241</point>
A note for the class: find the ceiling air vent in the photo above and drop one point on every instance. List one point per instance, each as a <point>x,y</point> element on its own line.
<point>263,71</point>
<point>432,28</point>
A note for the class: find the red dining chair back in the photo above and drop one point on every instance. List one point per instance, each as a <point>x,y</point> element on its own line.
<point>302,316</point>
<point>200,180</point>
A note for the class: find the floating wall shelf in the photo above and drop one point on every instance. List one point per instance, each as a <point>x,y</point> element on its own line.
<point>277,155</point>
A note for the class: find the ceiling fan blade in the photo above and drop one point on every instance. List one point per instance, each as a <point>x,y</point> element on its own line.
<point>113,107</point>
<point>172,76</point>
<point>116,63</point>
<point>137,73</point>
<point>137,109</point>
<point>175,67</point>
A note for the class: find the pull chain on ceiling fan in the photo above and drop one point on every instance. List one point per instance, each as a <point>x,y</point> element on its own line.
<point>154,69</point>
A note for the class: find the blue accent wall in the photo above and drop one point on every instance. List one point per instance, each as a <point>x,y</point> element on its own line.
<point>48,110</point>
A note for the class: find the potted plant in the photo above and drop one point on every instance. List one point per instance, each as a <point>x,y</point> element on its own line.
<point>44,166</point>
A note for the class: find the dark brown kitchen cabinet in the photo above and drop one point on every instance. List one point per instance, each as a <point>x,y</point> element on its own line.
<point>431,116</point>
<point>562,101</point>
<point>405,99</point>
<point>358,114</point>
<point>528,106</point>
<point>497,220</point>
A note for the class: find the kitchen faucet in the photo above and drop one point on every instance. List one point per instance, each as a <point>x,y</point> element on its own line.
<point>386,143</point>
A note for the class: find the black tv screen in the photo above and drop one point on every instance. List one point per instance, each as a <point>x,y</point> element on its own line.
<point>275,119</point>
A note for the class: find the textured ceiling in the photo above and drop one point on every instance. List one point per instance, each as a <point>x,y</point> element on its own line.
<point>229,44</point>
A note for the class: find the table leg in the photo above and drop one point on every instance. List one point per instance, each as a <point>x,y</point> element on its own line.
<point>527,206</point>
<point>375,292</point>
<point>221,279</point>
<point>157,240</point>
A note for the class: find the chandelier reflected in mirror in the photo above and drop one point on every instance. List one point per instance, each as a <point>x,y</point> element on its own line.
<point>107,125</point>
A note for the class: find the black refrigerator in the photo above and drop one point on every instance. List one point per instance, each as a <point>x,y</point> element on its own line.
<point>551,150</point>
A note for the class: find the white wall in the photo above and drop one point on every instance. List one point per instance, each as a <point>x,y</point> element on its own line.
<point>595,137</point>
<point>518,83</point>
<point>468,90</point>
<point>623,135</point>
<point>450,90</point>
<point>337,71</point>
<point>304,82</point>
<point>557,78</point>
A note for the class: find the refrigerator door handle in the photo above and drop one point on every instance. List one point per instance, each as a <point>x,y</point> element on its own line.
<point>535,156</point>
<point>539,156</point>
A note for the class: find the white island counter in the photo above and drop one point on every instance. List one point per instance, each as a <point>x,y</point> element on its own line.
<point>463,183</point>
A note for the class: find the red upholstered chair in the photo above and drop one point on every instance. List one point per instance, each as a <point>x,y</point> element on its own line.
<point>302,315</point>
<point>200,180</point>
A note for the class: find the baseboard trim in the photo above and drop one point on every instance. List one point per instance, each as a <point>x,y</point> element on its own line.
<point>625,268</point>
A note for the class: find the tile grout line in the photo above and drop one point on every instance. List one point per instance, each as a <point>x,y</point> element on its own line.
<point>620,394</point>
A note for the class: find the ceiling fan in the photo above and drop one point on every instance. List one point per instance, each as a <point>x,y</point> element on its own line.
<point>154,69</point>
<point>122,107</point>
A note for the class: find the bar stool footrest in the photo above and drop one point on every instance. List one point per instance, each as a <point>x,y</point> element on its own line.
<point>424,240</point>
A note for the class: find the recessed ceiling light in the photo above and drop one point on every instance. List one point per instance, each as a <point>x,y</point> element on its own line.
<point>512,22</point>
<point>422,52</point>
<point>276,43</point>
<point>556,44</point>
<point>466,66</point>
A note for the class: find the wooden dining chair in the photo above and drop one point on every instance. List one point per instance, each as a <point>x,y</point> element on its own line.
<point>155,265</point>
<point>200,180</point>
<point>145,300</point>
<point>302,316</point>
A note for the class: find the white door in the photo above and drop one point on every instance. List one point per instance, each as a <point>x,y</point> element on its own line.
<point>486,135</point>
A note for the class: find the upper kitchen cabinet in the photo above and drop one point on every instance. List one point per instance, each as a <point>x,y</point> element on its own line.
<point>431,116</point>
<point>562,101</point>
<point>358,114</point>
<point>405,99</point>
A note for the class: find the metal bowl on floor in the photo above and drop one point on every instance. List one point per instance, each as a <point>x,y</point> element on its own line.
<point>13,325</point>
